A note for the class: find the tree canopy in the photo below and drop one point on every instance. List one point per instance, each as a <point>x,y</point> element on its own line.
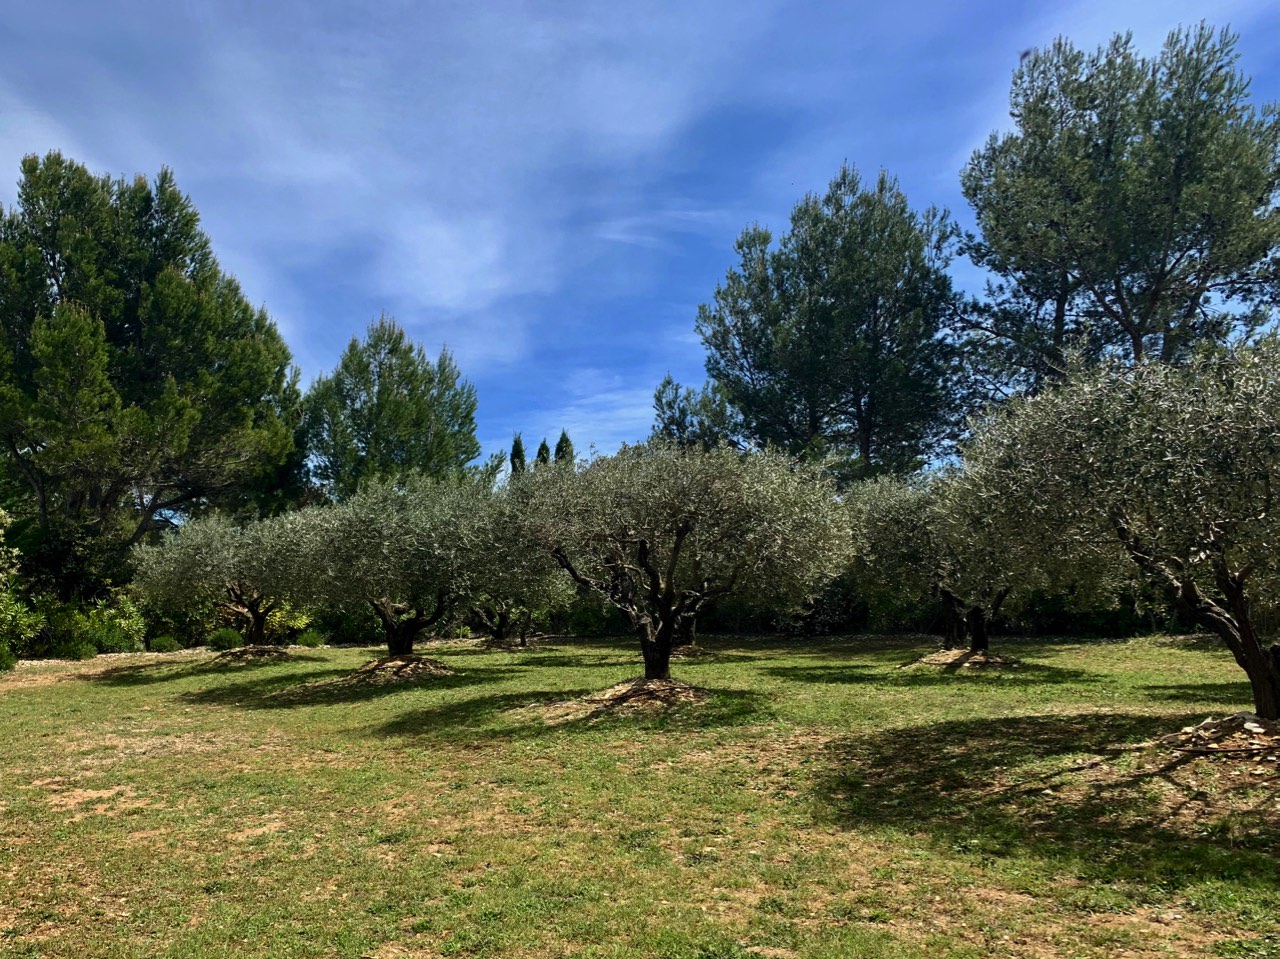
<point>245,570</point>
<point>137,383</point>
<point>389,410</point>
<point>406,548</point>
<point>661,530</point>
<point>833,342</point>
<point>1173,467</point>
<point>1132,210</point>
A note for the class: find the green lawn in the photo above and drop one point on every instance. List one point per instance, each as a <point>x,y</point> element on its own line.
<point>823,803</point>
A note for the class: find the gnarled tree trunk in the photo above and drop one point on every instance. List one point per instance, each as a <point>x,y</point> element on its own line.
<point>656,646</point>
<point>402,623</point>
<point>952,612</point>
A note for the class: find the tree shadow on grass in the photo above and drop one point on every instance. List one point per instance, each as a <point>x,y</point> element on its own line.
<point>1231,692</point>
<point>1059,787</point>
<point>1025,674</point>
<point>507,716</point>
<point>147,674</point>
<point>327,687</point>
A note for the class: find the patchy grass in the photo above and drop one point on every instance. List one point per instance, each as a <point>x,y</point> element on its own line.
<point>818,802</point>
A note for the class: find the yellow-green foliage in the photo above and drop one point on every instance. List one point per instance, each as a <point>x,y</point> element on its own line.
<point>286,622</point>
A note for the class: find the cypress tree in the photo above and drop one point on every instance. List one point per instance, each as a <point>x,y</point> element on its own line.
<point>518,464</point>
<point>564,450</point>
<point>544,453</point>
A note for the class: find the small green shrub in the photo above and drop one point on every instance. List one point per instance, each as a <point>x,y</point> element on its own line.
<point>116,626</point>
<point>285,623</point>
<point>19,627</point>
<point>311,638</point>
<point>165,644</point>
<point>225,638</point>
<point>73,647</point>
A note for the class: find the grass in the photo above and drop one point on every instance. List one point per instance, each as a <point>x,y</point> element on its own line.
<point>823,803</point>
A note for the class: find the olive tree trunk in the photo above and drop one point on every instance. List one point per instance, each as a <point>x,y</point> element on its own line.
<point>656,646</point>
<point>402,623</point>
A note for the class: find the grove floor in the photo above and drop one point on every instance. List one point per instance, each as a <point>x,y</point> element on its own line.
<point>823,803</point>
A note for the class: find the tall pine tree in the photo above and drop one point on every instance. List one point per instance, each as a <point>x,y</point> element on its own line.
<point>834,341</point>
<point>137,382</point>
<point>388,410</point>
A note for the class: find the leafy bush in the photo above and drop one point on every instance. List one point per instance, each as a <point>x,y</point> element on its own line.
<point>19,627</point>
<point>165,644</point>
<point>225,638</point>
<point>64,632</point>
<point>115,626</point>
<point>285,623</point>
<point>71,646</point>
<point>311,638</point>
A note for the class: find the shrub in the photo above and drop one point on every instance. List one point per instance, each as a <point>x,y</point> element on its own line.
<point>225,638</point>
<point>311,638</point>
<point>165,644</point>
<point>285,624</point>
<point>117,626</point>
<point>19,627</point>
<point>73,647</point>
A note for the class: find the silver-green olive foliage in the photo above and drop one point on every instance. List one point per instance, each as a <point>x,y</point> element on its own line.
<point>1174,466</point>
<point>661,530</point>
<point>212,561</point>
<point>1132,210</point>
<point>932,538</point>
<point>513,581</point>
<point>407,548</point>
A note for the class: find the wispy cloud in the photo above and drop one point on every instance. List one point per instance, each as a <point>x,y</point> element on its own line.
<point>545,188</point>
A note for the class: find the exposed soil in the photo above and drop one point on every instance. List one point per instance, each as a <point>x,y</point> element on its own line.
<point>691,651</point>
<point>1241,733</point>
<point>400,669</point>
<point>632,696</point>
<point>252,654</point>
<point>965,659</point>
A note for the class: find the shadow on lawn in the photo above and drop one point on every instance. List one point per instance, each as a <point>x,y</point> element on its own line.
<point>1026,674</point>
<point>327,687</point>
<point>1046,785</point>
<point>483,716</point>
<point>1237,692</point>
<point>147,674</point>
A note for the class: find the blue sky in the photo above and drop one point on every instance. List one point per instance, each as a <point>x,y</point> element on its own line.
<point>549,188</point>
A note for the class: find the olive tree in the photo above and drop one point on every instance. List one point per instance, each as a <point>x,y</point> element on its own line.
<point>1174,467</point>
<point>661,530</point>
<point>405,548</point>
<point>513,581</point>
<point>923,539</point>
<point>212,561</point>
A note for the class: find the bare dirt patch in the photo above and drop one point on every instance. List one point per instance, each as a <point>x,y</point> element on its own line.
<point>252,654</point>
<point>965,659</point>
<point>691,651</point>
<point>635,696</point>
<point>1240,733</point>
<point>399,669</point>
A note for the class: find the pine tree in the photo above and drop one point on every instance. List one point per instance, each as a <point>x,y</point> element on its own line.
<point>389,410</point>
<point>833,342</point>
<point>544,453</point>
<point>137,382</point>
